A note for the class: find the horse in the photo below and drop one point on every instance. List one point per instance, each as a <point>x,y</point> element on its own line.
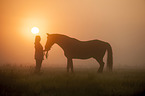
<point>76,49</point>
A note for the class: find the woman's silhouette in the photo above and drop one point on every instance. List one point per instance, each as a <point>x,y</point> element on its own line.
<point>38,54</point>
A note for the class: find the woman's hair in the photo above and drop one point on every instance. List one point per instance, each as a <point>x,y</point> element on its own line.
<point>37,38</point>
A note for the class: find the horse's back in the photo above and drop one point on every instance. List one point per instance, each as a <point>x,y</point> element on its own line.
<point>94,43</point>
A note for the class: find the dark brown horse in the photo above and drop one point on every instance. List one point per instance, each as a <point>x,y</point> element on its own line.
<point>75,49</point>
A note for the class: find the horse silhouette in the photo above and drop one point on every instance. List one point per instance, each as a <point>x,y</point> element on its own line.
<point>75,49</point>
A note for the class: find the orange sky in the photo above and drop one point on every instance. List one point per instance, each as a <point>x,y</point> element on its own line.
<point>119,22</point>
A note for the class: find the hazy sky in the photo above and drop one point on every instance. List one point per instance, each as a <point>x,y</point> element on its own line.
<point>119,22</point>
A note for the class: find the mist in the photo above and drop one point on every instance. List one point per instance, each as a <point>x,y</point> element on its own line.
<point>121,23</point>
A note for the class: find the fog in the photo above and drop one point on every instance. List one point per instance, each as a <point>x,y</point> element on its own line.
<point>119,22</point>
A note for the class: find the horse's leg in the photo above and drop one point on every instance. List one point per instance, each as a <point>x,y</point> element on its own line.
<point>68,64</point>
<point>71,65</point>
<point>100,61</point>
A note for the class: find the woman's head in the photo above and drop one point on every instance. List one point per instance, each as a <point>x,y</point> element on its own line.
<point>37,39</point>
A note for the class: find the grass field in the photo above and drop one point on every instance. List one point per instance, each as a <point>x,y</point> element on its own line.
<point>21,81</point>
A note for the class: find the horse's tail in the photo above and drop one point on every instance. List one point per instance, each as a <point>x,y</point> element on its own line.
<point>109,57</point>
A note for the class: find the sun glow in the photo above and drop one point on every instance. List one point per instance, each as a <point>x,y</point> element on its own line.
<point>35,30</point>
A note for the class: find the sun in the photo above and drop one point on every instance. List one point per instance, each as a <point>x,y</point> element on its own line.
<point>35,30</point>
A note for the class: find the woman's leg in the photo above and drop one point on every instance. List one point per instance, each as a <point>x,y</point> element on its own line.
<point>38,65</point>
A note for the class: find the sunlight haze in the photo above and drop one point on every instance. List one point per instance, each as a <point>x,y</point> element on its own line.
<point>119,22</point>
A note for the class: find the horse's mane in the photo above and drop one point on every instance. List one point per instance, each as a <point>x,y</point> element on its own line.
<point>64,37</point>
<point>72,40</point>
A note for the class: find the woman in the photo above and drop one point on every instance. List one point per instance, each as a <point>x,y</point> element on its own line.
<point>38,54</point>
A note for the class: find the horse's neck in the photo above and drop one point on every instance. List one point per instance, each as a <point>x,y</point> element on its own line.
<point>60,41</point>
<point>63,41</point>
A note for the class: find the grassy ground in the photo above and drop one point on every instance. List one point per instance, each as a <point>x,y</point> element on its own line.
<point>18,81</point>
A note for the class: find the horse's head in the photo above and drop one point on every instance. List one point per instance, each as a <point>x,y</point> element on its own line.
<point>49,42</point>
